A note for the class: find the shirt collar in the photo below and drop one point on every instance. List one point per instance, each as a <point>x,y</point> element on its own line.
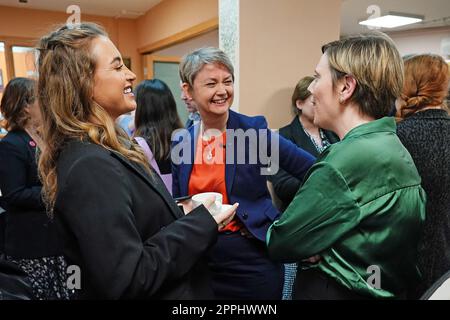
<point>386,124</point>
<point>194,116</point>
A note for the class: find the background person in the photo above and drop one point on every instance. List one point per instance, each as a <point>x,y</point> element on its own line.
<point>155,120</point>
<point>30,238</point>
<point>304,133</point>
<point>425,132</point>
<point>191,107</point>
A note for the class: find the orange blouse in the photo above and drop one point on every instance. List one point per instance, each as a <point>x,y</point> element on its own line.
<point>208,172</point>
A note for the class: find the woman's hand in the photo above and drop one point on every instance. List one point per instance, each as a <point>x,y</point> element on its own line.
<point>224,217</point>
<point>188,206</point>
<point>314,259</point>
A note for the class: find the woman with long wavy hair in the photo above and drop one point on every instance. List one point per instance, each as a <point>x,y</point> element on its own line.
<point>117,222</point>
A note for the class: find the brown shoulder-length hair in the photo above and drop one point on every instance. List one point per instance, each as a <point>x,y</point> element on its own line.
<point>301,93</point>
<point>66,78</point>
<point>426,84</point>
<point>156,116</point>
<point>18,94</point>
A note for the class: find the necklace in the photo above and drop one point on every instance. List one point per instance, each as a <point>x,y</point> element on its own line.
<point>318,147</point>
<point>211,139</point>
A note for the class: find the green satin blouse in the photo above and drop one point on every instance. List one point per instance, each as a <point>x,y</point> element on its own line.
<point>360,208</point>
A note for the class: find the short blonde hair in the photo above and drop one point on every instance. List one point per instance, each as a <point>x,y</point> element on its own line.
<point>192,63</point>
<point>375,63</point>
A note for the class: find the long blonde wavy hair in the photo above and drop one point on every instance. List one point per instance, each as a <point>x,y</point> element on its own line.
<point>65,91</point>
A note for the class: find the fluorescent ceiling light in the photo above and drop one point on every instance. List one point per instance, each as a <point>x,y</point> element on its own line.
<point>392,20</point>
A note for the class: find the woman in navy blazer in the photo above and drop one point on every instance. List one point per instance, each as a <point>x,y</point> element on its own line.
<point>239,262</point>
<point>30,238</point>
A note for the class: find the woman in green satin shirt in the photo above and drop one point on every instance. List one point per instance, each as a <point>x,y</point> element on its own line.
<point>355,222</point>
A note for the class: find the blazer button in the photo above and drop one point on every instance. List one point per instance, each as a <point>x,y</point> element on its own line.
<point>245,216</point>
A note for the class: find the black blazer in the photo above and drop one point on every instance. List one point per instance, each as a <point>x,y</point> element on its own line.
<point>426,135</point>
<point>125,232</point>
<point>284,184</point>
<point>29,233</point>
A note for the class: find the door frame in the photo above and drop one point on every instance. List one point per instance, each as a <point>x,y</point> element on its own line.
<point>151,59</point>
<point>192,32</point>
<point>9,43</point>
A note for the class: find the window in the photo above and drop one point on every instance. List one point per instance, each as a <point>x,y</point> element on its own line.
<point>17,59</point>
<point>24,61</point>
<point>3,77</point>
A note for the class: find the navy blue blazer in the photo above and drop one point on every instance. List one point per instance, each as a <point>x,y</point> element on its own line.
<point>28,232</point>
<point>244,182</point>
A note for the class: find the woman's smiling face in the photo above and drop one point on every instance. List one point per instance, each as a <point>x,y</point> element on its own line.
<point>112,79</point>
<point>213,90</point>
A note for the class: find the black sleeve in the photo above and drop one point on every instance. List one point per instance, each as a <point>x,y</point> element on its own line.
<point>285,186</point>
<point>96,205</point>
<point>14,162</point>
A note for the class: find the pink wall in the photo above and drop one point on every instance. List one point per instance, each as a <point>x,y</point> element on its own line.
<point>280,43</point>
<point>26,23</point>
<point>172,16</point>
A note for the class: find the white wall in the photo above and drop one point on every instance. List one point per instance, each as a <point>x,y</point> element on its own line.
<point>423,41</point>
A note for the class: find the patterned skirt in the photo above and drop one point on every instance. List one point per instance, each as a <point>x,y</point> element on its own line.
<point>48,277</point>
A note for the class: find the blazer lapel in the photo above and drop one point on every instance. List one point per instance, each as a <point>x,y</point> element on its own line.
<point>301,139</point>
<point>230,164</point>
<point>297,132</point>
<point>186,168</point>
<point>154,182</point>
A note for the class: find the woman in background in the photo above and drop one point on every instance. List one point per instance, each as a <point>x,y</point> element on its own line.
<point>424,130</point>
<point>30,236</point>
<point>155,119</point>
<point>304,133</point>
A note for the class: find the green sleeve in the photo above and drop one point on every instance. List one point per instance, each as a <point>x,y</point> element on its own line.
<point>323,210</point>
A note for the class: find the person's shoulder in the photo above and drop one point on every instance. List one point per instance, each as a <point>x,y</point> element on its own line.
<point>76,151</point>
<point>184,134</point>
<point>81,159</point>
<point>250,121</point>
<point>342,153</point>
<point>15,136</point>
<point>286,131</point>
<point>14,140</point>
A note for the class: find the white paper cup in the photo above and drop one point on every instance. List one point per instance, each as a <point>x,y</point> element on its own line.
<point>225,207</point>
<point>200,198</point>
